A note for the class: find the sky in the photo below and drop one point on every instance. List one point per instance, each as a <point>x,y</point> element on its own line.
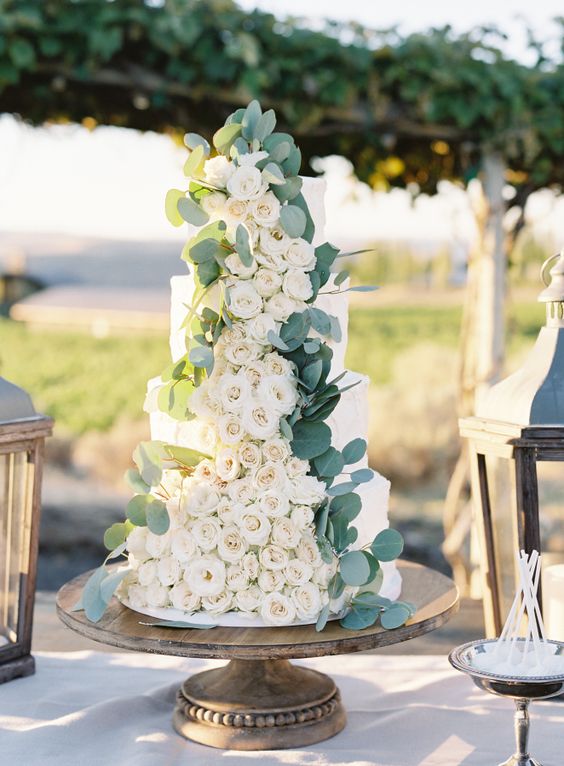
<point>111,182</point>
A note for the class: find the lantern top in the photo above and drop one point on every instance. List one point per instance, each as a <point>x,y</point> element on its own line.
<point>534,395</point>
<point>15,403</point>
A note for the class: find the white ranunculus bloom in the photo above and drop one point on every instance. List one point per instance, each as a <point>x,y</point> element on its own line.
<point>244,301</point>
<point>157,545</point>
<point>250,564</point>
<point>307,600</point>
<point>306,490</point>
<point>277,609</point>
<point>205,576</point>
<point>206,532</point>
<point>168,570</point>
<point>241,490</point>
<point>147,572</point>
<point>218,170</point>
<point>214,205</point>
<point>308,551</point>
<point>285,533</point>
<point>296,467</point>
<point>250,599</point>
<point>227,464</point>
<point>234,392</point>
<point>260,421</point>
<point>275,364</point>
<point>271,261</point>
<point>270,579</point>
<point>279,393</point>
<point>219,603</point>
<point>182,598</point>
<point>266,210</point>
<point>246,183</point>
<point>251,158</point>
<point>183,545</point>
<point>274,503</point>
<point>267,282</point>
<point>205,471</point>
<point>302,516</point>
<point>301,255</point>
<point>237,578</point>
<point>157,594</point>
<point>137,540</point>
<point>236,211</point>
<point>298,572</point>
<point>231,430</point>
<point>254,372</point>
<point>276,450</point>
<point>273,557</point>
<point>231,545</point>
<point>274,241</point>
<point>137,596</point>
<point>270,476</point>
<point>280,306</point>
<point>202,499</point>
<point>254,526</point>
<point>237,267</point>
<point>243,352</point>
<point>260,326</point>
<point>249,455</point>
<point>297,285</point>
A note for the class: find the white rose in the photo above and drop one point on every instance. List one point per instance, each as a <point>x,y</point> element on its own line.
<point>297,285</point>
<point>250,564</point>
<point>137,540</point>
<point>276,364</point>
<point>237,578</point>
<point>172,481</point>
<point>267,282</point>
<point>246,183</point>
<point>249,600</point>
<point>274,504</point>
<point>277,609</point>
<point>307,600</point>
<point>324,572</point>
<point>205,576</point>
<point>198,434</point>
<point>228,512</point>
<point>298,572</point>
<point>244,301</point>
<point>205,471</point>
<point>234,392</point>
<point>275,450</point>
<point>237,267</point>
<point>260,422</point>
<point>206,533</point>
<point>147,572</point>
<point>231,546</point>
<point>231,429</point>
<point>270,476</point>
<point>157,594</point>
<point>302,516</point>
<point>202,499</point>
<point>204,401</point>
<point>182,598</point>
<point>271,261</point>
<point>214,204</point>
<point>176,512</point>
<point>157,545</point>
<point>279,393</point>
<point>260,326</point>
<point>301,255</point>
<point>274,241</point>
<point>254,372</point>
<point>308,551</point>
<point>249,455</point>
<point>241,491</point>
<point>218,170</point>
<point>183,545</point>
<point>280,306</point>
<point>269,580</point>
<point>235,210</point>
<point>306,490</point>
<point>255,527</point>
<point>285,533</point>
<point>228,465</point>
<point>137,596</point>
<point>168,570</point>
<point>234,334</point>
<point>251,158</point>
<point>296,467</point>
<point>273,557</point>
<point>219,603</point>
<point>243,352</point>
<point>266,210</point>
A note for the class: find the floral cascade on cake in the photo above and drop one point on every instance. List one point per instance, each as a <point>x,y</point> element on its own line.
<point>247,495</point>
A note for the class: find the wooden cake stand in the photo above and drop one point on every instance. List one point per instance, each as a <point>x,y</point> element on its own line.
<point>259,700</point>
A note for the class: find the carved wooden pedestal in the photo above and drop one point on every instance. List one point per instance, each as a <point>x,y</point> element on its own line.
<point>259,701</point>
<point>259,705</point>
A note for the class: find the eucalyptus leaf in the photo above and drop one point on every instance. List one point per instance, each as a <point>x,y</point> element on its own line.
<point>277,341</point>
<point>354,451</point>
<point>387,545</point>
<point>359,619</point>
<point>273,175</point>
<point>341,277</point>
<point>395,616</point>
<point>250,120</point>
<point>325,550</point>
<point>194,164</point>
<point>173,196</point>
<point>239,147</point>
<point>348,504</point>
<point>336,332</point>
<point>205,250</point>
<point>320,320</point>
<point>292,220</point>
<point>109,584</point>
<point>225,137</point>
<point>310,439</point>
<point>300,201</point>
<point>342,489</point>
<point>281,152</point>
<point>311,346</point>
<point>92,602</point>
<point>264,125</point>
<point>321,518</point>
<point>191,212</point>
<point>148,457</point>
<point>361,289</point>
<point>367,598</point>
<point>243,245</point>
<point>186,456</point>
<point>116,534</point>
<point>362,475</point>
<point>286,430</point>
<point>135,482</point>
<point>354,568</point>
<point>322,619</point>
<point>288,191</point>
<point>311,374</point>
<point>192,140</point>
<point>208,273</point>
<point>158,519</point>
<point>136,510</point>
<point>330,463</point>
<point>201,356</point>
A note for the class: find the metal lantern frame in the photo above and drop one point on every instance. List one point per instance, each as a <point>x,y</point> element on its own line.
<point>22,439</point>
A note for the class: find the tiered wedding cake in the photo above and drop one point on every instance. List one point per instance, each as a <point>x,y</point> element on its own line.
<point>255,504</point>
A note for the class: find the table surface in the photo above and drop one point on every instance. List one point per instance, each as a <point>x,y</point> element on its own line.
<point>434,595</point>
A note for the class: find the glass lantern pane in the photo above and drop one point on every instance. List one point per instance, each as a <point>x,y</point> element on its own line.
<point>551,501</point>
<point>16,481</point>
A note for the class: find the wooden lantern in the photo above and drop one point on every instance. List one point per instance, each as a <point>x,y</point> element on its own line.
<point>22,437</point>
<point>519,423</point>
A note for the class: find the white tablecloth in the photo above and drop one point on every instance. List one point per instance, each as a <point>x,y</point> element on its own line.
<point>93,709</point>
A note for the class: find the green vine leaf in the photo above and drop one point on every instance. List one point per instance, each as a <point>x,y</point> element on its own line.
<point>292,220</point>
<point>387,545</point>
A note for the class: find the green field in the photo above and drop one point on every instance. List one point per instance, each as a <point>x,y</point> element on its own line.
<point>86,383</point>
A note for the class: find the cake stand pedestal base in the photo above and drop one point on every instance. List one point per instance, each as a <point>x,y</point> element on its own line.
<point>259,705</point>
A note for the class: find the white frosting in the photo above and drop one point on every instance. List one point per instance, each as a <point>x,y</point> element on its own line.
<point>313,191</point>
